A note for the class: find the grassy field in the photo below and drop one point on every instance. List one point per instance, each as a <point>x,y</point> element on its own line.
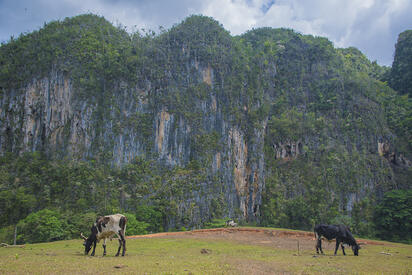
<point>207,253</point>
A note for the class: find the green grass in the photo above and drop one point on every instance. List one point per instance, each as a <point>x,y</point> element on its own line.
<point>183,256</point>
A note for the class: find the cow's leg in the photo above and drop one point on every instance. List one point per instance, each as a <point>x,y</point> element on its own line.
<point>104,247</point>
<point>343,249</point>
<point>120,246</point>
<point>122,238</point>
<point>318,245</point>
<point>337,246</point>
<point>94,248</point>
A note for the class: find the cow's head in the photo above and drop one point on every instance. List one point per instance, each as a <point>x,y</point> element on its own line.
<point>355,249</point>
<point>90,240</point>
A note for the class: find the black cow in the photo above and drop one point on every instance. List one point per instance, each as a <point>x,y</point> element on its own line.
<point>106,227</point>
<point>340,232</point>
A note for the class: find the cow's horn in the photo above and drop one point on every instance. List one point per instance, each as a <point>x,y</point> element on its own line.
<point>83,237</point>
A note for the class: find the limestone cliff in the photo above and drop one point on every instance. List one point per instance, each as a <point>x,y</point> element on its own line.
<point>270,105</point>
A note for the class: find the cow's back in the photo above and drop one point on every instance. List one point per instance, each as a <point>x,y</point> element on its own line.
<point>328,231</point>
<point>115,223</point>
<point>115,219</point>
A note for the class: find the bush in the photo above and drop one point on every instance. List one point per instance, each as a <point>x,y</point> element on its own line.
<point>42,226</point>
<point>151,216</point>
<point>215,223</point>
<point>80,223</point>
<point>135,227</point>
<point>298,214</point>
<point>7,234</point>
<point>393,216</point>
<point>343,219</point>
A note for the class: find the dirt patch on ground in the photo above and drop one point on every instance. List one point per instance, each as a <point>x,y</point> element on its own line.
<point>255,236</point>
<point>255,267</point>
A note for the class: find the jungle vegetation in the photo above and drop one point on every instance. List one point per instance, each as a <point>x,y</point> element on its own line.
<point>335,102</point>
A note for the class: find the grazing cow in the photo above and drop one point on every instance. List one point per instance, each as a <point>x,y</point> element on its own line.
<point>339,232</point>
<point>106,227</point>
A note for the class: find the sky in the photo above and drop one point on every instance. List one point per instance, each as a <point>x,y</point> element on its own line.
<point>369,25</point>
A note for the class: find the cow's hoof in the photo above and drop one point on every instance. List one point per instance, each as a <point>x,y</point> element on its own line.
<point>117,255</point>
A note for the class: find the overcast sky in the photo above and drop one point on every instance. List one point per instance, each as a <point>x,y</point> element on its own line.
<point>370,25</point>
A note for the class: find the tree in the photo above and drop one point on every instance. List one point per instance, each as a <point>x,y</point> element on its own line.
<point>401,73</point>
<point>393,216</point>
<point>42,226</point>
<point>135,227</point>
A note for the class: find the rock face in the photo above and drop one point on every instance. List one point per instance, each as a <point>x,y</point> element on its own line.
<point>46,116</point>
<point>41,116</point>
<point>239,114</point>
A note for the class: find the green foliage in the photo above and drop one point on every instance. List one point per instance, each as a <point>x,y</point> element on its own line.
<point>401,73</point>
<point>362,218</point>
<point>393,216</point>
<point>215,223</point>
<point>79,223</point>
<point>398,111</point>
<point>42,226</point>
<point>84,190</point>
<point>150,216</point>
<point>293,125</point>
<point>7,234</point>
<point>276,86</point>
<point>206,143</point>
<point>297,214</point>
<point>302,192</point>
<point>87,46</point>
<point>203,38</point>
<point>135,227</point>
<point>343,219</point>
<point>15,203</point>
<point>356,61</point>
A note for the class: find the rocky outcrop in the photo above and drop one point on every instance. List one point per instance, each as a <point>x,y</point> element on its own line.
<point>287,150</point>
<point>386,150</point>
<point>207,100</point>
<point>241,169</point>
<point>43,116</point>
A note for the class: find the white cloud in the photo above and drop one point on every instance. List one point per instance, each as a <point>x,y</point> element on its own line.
<point>366,24</point>
<point>236,16</point>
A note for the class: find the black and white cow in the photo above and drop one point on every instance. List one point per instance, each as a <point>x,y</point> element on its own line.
<point>339,232</point>
<point>106,227</point>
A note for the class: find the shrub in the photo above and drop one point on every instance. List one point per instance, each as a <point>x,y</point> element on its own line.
<point>135,227</point>
<point>393,216</point>
<point>42,226</point>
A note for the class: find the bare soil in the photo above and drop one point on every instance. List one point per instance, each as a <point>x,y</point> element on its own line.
<point>284,239</point>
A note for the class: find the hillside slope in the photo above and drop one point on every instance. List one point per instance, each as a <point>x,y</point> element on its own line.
<point>271,126</point>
